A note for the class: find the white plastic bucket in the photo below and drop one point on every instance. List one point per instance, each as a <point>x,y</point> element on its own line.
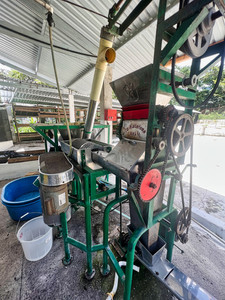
<point>36,239</point>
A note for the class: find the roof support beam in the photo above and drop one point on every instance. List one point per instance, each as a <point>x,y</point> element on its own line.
<point>79,76</point>
<point>48,99</point>
<point>33,101</point>
<point>13,94</point>
<point>68,26</point>
<point>119,43</point>
<point>27,71</point>
<point>39,40</point>
<point>36,88</point>
<point>31,86</point>
<point>44,25</point>
<point>47,102</point>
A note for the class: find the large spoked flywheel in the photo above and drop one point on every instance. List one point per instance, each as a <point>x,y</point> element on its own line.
<point>180,135</point>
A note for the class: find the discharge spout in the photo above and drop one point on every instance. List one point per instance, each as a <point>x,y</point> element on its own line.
<point>106,54</point>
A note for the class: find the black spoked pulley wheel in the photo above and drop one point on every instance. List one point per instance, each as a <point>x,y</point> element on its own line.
<point>180,135</point>
<point>182,225</point>
<point>195,46</point>
<point>199,40</point>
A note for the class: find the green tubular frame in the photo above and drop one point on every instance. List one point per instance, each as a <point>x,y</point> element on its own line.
<point>41,129</point>
<point>191,18</point>
<point>90,194</point>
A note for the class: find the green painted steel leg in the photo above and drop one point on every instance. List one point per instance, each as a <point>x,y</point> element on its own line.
<point>67,259</point>
<point>105,268</point>
<point>59,232</point>
<point>130,261</point>
<point>46,147</point>
<point>171,195</point>
<point>56,139</point>
<point>90,272</point>
<point>170,236</point>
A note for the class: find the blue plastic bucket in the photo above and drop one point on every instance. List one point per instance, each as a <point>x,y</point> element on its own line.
<point>21,196</point>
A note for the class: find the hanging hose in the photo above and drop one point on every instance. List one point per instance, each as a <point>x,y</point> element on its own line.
<point>50,22</point>
<point>115,285</point>
<point>46,5</point>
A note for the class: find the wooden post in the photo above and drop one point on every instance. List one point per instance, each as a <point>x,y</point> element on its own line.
<point>17,130</point>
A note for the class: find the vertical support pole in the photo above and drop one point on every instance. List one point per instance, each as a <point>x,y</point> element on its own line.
<point>155,80</point>
<point>58,114</point>
<point>67,259</point>
<point>118,193</point>
<point>105,269</point>
<point>110,130</point>
<point>56,139</point>
<point>90,272</point>
<point>17,129</point>
<point>129,271</point>
<point>171,195</point>
<point>71,108</point>
<point>46,145</point>
<point>170,236</point>
<point>130,261</point>
<point>148,208</point>
<point>106,103</point>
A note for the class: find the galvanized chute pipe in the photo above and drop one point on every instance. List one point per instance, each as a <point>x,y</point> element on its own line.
<point>106,54</point>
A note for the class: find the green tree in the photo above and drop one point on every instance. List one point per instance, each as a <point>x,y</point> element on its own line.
<point>18,75</point>
<point>205,85</point>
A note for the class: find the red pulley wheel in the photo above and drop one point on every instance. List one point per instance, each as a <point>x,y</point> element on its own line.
<point>150,185</point>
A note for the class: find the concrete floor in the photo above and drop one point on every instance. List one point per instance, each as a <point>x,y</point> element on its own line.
<point>203,258</point>
<point>49,279</point>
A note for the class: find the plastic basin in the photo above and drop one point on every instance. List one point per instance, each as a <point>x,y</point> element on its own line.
<point>36,239</point>
<point>20,196</point>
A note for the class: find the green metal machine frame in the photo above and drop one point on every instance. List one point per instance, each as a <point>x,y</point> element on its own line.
<point>43,128</point>
<point>189,17</point>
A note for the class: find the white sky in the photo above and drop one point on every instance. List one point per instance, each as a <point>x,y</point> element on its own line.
<point>4,67</point>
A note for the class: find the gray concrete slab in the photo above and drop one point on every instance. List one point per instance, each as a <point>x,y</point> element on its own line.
<point>214,224</point>
<point>16,170</point>
<point>27,146</point>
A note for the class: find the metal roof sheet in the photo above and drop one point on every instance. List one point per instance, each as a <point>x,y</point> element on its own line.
<point>17,91</point>
<point>80,29</point>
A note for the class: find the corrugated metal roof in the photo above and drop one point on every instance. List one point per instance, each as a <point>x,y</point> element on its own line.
<point>17,91</point>
<point>79,28</point>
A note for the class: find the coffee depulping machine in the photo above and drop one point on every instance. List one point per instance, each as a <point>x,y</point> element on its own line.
<point>153,142</point>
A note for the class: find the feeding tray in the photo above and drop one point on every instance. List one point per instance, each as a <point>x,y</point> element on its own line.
<point>55,169</point>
